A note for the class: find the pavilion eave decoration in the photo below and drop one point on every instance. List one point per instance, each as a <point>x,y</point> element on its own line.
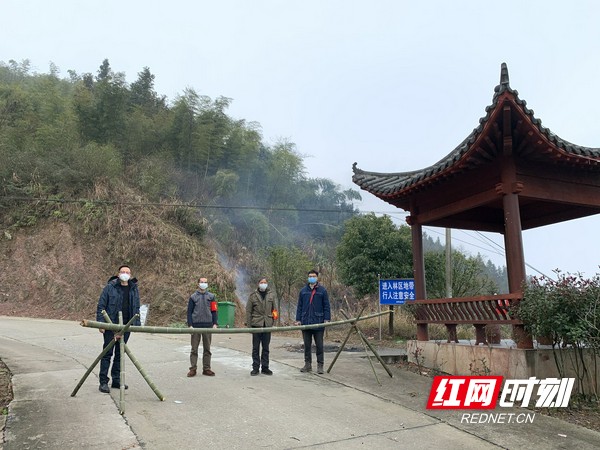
<point>539,155</point>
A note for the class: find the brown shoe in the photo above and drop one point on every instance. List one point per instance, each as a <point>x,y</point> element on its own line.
<point>192,373</point>
<point>208,373</point>
<point>307,368</point>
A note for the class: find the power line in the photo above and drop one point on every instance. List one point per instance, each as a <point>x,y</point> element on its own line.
<point>478,236</point>
<point>190,205</point>
<point>504,253</point>
<point>460,240</point>
<point>178,205</point>
<point>501,252</point>
<point>491,240</point>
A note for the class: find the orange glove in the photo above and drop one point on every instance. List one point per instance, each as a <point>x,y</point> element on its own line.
<point>275,314</point>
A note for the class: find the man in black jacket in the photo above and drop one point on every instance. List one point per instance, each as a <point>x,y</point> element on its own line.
<point>120,294</point>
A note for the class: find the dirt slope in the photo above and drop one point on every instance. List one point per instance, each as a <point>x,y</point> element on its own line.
<point>58,267</point>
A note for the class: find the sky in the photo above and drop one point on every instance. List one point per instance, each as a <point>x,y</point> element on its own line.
<point>393,85</point>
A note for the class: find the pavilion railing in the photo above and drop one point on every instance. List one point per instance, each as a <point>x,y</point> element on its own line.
<point>477,311</point>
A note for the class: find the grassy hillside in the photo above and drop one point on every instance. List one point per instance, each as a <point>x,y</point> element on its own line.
<point>56,257</point>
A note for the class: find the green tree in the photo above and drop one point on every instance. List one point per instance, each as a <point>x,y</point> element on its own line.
<point>183,127</point>
<point>142,92</point>
<point>289,266</point>
<point>54,122</point>
<point>225,183</point>
<point>16,116</point>
<point>147,120</point>
<point>372,246</point>
<point>284,171</point>
<point>153,176</point>
<point>104,71</point>
<point>100,106</point>
<point>252,228</point>
<point>242,147</point>
<point>213,129</point>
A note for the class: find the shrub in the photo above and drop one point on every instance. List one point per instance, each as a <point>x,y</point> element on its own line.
<point>568,311</point>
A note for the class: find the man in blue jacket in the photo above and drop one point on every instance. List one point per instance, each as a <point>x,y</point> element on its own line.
<point>313,307</point>
<point>120,294</point>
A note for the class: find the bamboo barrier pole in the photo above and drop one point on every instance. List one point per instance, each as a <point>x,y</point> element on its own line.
<point>366,341</point>
<point>122,362</point>
<point>122,329</point>
<point>368,357</point>
<point>173,330</point>
<point>97,360</point>
<point>137,364</point>
<point>362,339</point>
<point>141,370</point>
<point>341,349</point>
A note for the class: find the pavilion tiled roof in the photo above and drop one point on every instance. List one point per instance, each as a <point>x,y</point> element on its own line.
<point>386,185</point>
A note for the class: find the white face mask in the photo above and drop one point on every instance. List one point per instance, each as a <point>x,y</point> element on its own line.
<point>124,276</point>
<point>203,286</point>
<point>263,286</point>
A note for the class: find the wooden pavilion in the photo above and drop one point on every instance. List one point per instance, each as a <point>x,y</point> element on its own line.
<point>510,174</point>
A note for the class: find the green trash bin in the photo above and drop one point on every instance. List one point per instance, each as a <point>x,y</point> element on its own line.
<point>226,314</point>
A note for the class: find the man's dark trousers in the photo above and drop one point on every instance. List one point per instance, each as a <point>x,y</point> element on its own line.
<point>260,339</point>
<point>308,335</point>
<point>105,363</point>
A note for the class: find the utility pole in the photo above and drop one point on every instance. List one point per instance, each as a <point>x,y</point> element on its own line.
<point>448,263</point>
<point>379,301</point>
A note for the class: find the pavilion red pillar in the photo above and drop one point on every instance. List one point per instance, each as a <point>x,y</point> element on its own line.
<point>419,274</point>
<point>513,238</point>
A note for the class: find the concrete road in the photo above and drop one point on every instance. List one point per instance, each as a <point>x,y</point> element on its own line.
<point>346,408</point>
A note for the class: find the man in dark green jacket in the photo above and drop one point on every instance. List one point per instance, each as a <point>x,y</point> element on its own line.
<point>261,310</point>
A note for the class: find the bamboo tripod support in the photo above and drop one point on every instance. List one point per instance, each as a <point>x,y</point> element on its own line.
<point>119,336</point>
<point>124,330</point>
<point>366,344</point>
